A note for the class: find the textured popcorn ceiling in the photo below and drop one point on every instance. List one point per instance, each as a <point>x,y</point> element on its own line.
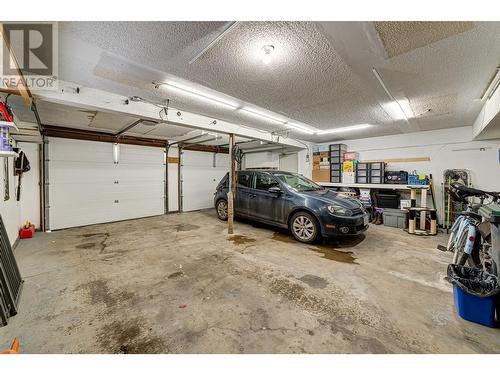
<point>437,106</point>
<point>321,73</point>
<point>401,37</point>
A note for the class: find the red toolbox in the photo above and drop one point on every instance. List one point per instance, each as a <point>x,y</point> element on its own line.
<point>27,232</point>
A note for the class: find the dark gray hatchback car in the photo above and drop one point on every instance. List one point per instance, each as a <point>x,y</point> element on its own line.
<point>292,201</point>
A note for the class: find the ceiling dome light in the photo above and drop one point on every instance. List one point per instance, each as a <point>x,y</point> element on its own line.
<point>267,52</point>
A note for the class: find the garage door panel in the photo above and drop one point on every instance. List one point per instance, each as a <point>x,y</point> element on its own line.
<point>132,208</point>
<point>91,212</point>
<point>71,150</point>
<point>138,173</point>
<point>85,173</point>
<point>87,187</point>
<point>200,178</point>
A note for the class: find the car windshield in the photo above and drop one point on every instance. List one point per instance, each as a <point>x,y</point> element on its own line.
<point>297,182</point>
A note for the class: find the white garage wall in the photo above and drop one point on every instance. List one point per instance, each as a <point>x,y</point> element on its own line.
<point>15,213</point>
<point>261,160</point>
<point>305,162</point>
<point>289,162</point>
<point>30,188</point>
<point>10,209</point>
<point>447,149</point>
<point>272,160</point>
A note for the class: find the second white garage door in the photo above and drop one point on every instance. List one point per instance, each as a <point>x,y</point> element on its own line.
<point>87,187</point>
<point>201,173</point>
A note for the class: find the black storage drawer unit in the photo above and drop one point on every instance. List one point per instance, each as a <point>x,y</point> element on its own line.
<point>335,172</point>
<point>370,173</point>
<point>336,179</point>
<point>337,153</point>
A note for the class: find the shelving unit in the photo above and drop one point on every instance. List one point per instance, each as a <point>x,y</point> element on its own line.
<point>8,154</point>
<point>374,186</point>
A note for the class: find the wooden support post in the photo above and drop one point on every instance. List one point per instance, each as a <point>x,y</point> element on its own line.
<point>423,204</point>
<point>230,194</point>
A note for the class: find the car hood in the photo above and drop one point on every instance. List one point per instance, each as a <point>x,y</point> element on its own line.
<point>330,197</point>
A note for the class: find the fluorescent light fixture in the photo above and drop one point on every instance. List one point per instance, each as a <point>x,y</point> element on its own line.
<point>492,87</point>
<point>400,109</point>
<point>197,94</point>
<point>300,128</point>
<point>262,115</point>
<point>396,111</point>
<point>116,153</point>
<point>344,129</point>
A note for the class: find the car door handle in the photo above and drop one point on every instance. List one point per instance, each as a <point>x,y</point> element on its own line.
<point>252,195</point>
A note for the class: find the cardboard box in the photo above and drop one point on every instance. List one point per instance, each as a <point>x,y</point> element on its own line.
<point>321,175</point>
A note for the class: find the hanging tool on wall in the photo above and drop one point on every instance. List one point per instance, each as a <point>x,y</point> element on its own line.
<point>431,185</point>
<point>21,165</point>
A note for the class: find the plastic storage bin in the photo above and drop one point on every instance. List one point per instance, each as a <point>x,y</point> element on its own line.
<point>475,293</point>
<point>414,179</point>
<point>473,308</point>
<point>394,218</point>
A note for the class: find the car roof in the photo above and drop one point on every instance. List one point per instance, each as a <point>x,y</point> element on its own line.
<point>272,171</point>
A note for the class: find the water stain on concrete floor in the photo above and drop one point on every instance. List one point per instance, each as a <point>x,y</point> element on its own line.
<point>186,227</point>
<point>283,237</point>
<point>239,239</point>
<point>336,255</point>
<point>314,281</point>
<point>325,249</point>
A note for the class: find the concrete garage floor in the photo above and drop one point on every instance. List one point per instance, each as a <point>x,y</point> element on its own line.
<point>179,284</point>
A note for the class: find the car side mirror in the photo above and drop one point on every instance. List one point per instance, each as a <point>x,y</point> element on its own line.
<point>275,190</point>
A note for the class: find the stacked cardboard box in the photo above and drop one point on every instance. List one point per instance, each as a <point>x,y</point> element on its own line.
<point>321,164</point>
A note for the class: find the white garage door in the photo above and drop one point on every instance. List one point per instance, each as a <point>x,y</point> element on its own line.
<point>87,187</point>
<point>200,178</point>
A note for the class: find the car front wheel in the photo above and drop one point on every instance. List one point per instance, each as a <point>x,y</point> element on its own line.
<point>304,227</point>
<point>222,209</point>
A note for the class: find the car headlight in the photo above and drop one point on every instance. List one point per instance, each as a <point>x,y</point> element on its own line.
<point>338,210</point>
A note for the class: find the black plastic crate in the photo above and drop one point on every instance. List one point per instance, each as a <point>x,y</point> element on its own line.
<point>335,179</point>
<point>336,173</point>
<point>376,179</point>
<point>363,166</point>
<point>387,200</point>
<point>338,147</point>
<point>361,179</point>
<point>377,166</point>
<point>396,177</point>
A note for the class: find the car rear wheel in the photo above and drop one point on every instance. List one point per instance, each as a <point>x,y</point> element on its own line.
<point>222,209</point>
<point>304,227</point>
